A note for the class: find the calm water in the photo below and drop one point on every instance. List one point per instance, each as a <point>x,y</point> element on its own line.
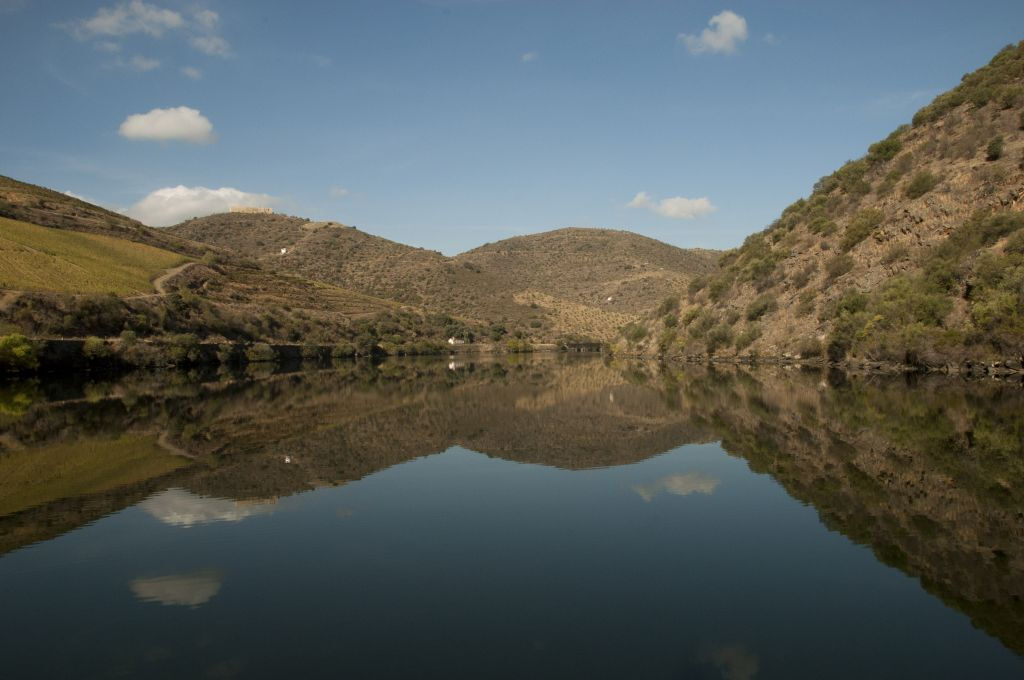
<point>547,517</point>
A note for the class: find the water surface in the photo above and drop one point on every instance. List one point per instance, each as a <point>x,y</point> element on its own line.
<point>543,517</point>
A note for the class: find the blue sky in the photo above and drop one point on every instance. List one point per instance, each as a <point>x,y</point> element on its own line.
<point>450,123</point>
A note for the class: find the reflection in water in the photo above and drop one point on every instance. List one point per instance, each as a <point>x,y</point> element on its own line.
<point>929,476</point>
<point>733,662</point>
<point>185,590</point>
<point>183,508</point>
<point>678,485</point>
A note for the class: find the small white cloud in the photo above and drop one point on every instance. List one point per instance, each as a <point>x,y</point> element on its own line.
<point>127,18</point>
<point>528,57</point>
<point>771,39</point>
<point>191,72</point>
<point>213,45</point>
<point>340,192</point>
<point>108,46</point>
<point>182,590</point>
<point>724,33</point>
<point>139,63</point>
<point>180,123</point>
<point>80,198</point>
<point>677,207</point>
<point>206,19</point>
<point>171,205</point>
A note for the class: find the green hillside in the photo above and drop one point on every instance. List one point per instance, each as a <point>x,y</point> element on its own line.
<point>41,258</point>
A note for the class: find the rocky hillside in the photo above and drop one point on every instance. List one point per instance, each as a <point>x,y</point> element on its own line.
<point>586,282</point>
<point>912,254</point>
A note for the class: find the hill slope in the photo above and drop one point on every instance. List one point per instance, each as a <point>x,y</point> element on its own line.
<point>912,254</point>
<point>555,283</point>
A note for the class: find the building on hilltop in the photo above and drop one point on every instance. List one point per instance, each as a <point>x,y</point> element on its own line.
<point>252,209</point>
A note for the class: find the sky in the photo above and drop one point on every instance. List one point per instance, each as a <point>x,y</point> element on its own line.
<point>447,124</point>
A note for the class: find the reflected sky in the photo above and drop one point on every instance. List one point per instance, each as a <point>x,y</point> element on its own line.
<point>186,590</point>
<point>678,485</point>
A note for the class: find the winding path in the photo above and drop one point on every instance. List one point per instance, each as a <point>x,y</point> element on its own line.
<point>160,281</point>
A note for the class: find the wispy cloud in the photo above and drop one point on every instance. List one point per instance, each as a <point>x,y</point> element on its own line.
<point>126,19</point>
<point>725,32</point>
<point>339,192</point>
<point>191,72</point>
<point>676,207</point>
<point>137,63</point>
<point>527,57</point>
<point>180,123</point>
<point>213,45</point>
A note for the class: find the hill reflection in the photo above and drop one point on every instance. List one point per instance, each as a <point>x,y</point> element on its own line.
<point>929,475</point>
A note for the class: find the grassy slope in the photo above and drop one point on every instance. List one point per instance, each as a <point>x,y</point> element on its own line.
<point>40,258</point>
<point>913,253</point>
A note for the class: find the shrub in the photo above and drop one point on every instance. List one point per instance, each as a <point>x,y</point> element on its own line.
<point>885,150</point>
<point>634,332</point>
<point>691,314</point>
<point>837,266</point>
<point>806,304</point>
<point>669,305</point>
<point>801,278</point>
<point>994,150</point>
<point>95,348</point>
<point>747,337</point>
<point>1015,244</point>
<point>670,321</point>
<point>128,338</point>
<point>719,336</point>
<point>17,353</point>
<point>536,323</point>
<point>808,348</point>
<point>343,349</point>
<point>518,346</point>
<point>860,228</point>
<point>259,351</point>
<point>702,324</point>
<point>760,306</point>
<point>696,285</point>
<point>922,182</point>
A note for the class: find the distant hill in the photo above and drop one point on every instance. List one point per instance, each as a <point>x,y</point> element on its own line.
<point>912,254</point>
<point>555,283</point>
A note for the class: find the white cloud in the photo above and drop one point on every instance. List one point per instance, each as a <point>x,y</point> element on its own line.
<point>171,205</point>
<point>677,207</point>
<point>183,590</point>
<point>340,192</point>
<point>180,123</point>
<point>191,72</point>
<point>127,18</point>
<point>529,56</point>
<point>139,63</point>
<point>207,19</point>
<point>213,45</point>
<point>726,30</point>
<point>108,46</point>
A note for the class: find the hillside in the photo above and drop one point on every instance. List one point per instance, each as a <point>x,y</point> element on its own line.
<point>912,254</point>
<point>41,258</point>
<point>550,284</point>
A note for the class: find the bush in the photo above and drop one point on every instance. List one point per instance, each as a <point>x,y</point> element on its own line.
<point>343,350</point>
<point>994,150</point>
<point>747,337</point>
<point>518,346</point>
<point>860,228</point>
<point>923,182</point>
<point>719,336</point>
<point>17,353</point>
<point>670,321</point>
<point>634,332</point>
<point>801,278</point>
<point>885,150</point>
<point>259,351</point>
<point>760,306</point>
<point>837,266</point>
<point>669,305</point>
<point>95,348</point>
<point>808,348</point>
<point>696,285</point>
<point>1015,244</point>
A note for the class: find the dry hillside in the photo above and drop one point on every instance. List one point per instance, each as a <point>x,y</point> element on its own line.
<point>550,284</point>
<point>912,254</point>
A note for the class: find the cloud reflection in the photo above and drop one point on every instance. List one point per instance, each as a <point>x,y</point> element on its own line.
<point>182,508</point>
<point>679,485</point>
<point>183,590</point>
